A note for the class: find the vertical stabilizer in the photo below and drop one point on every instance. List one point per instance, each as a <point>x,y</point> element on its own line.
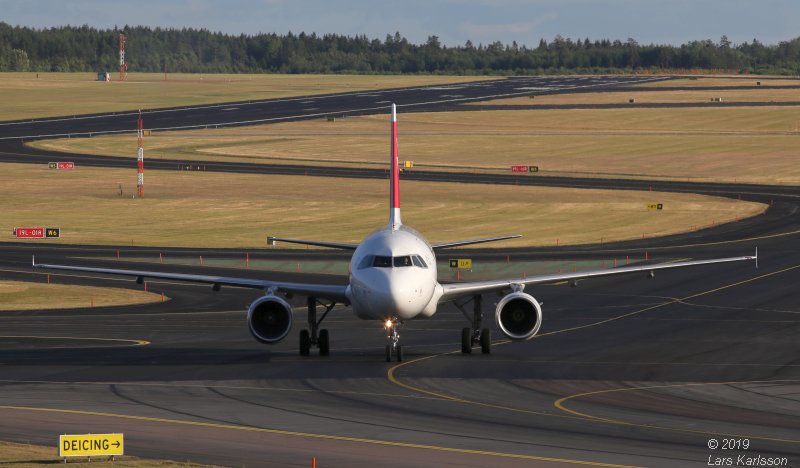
<point>394,179</point>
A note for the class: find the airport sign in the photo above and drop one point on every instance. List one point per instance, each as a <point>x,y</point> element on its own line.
<point>533,168</point>
<point>519,168</point>
<point>61,165</point>
<point>29,233</point>
<point>36,232</point>
<point>655,206</point>
<point>408,164</point>
<point>461,263</point>
<point>91,445</point>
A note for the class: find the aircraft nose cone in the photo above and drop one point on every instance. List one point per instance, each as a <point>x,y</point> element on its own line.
<point>397,296</point>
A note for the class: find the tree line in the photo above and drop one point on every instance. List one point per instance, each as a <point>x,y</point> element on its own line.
<point>83,49</point>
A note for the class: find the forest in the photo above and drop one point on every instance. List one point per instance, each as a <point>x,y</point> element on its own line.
<point>85,49</point>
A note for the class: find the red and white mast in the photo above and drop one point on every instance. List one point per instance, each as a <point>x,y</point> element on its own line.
<point>123,67</point>
<point>140,157</point>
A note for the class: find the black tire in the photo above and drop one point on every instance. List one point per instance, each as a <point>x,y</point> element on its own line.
<point>486,341</point>
<point>388,353</point>
<point>466,340</point>
<point>399,353</point>
<point>324,343</point>
<point>305,342</point>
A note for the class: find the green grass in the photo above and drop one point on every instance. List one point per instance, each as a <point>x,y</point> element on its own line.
<point>239,210</point>
<point>34,95</point>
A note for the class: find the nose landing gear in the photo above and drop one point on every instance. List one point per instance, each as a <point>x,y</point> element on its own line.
<point>393,346</point>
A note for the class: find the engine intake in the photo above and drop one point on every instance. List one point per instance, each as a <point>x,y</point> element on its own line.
<point>269,319</point>
<point>519,316</point>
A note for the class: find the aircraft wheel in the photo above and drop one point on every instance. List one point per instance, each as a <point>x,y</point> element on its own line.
<point>466,340</point>
<point>305,342</point>
<point>324,343</point>
<point>399,353</point>
<point>388,353</point>
<point>486,341</point>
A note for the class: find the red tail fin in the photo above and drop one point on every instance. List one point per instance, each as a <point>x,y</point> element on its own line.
<point>394,179</point>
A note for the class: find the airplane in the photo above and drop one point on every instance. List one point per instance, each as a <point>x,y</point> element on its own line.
<point>393,279</point>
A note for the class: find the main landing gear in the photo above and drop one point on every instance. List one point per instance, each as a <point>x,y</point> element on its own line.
<point>476,334</point>
<point>393,346</point>
<point>316,337</point>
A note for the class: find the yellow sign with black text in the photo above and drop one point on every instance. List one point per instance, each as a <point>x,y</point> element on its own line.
<point>91,445</point>
<point>461,263</point>
<point>655,206</point>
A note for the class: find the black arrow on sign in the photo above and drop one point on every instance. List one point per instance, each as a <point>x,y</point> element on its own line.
<point>116,444</point>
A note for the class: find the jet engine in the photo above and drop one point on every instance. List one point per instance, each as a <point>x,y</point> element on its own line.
<point>519,316</point>
<point>269,319</point>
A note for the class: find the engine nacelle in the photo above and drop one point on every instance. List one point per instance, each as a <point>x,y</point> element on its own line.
<point>269,319</point>
<point>518,316</point>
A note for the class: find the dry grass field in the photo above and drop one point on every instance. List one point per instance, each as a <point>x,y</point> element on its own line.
<point>240,210</point>
<point>18,295</point>
<point>742,144</point>
<point>34,95</point>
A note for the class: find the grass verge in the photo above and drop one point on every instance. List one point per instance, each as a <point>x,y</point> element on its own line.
<point>31,456</point>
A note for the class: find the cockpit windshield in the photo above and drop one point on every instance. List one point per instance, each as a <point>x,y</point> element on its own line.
<point>381,261</point>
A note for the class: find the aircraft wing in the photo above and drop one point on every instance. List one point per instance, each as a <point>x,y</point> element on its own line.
<point>444,245</point>
<point>333,245</point>
<point>456,290</point>
<point>326,291</point>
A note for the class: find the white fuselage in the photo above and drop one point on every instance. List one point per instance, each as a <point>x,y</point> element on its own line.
<point>393,276</point>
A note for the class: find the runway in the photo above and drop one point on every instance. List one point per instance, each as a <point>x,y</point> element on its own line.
<point>626,371</point>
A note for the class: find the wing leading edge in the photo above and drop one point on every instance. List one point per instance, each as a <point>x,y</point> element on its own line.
<point>456,290</point>
<point>333,245</point>
<point>445,245</point>
<point>332,292</point>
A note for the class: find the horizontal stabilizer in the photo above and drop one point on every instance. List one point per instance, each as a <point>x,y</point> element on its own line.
<point>332,245</point>
<point>445,245</point>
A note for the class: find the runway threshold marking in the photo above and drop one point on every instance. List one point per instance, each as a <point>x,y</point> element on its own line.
<point>315,436</point>
<point>390,373</point>
<point>560,405</point>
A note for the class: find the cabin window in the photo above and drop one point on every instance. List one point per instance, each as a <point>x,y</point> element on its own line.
<point>382,262</point>
<point>404,261</point>
<point>418,261</point>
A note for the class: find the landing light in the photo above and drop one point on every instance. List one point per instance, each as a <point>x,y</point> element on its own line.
<point>388,324</point>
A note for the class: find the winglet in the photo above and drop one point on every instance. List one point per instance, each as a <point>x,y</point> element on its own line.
<point>394,179</point>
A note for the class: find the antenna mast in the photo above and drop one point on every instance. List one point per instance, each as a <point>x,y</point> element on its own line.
<point>123,67</point>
